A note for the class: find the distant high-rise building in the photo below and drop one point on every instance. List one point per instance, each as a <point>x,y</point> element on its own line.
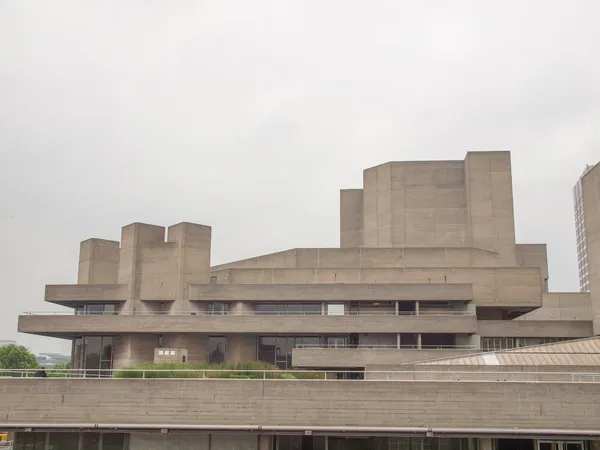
<point>582,259</point>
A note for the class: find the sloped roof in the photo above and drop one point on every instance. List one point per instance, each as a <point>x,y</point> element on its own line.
<point>578,352</point>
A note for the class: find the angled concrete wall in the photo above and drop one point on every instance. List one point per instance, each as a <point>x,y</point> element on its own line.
<point>98,262</point>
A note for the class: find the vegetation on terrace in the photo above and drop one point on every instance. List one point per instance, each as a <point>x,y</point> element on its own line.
<point>230,370</point>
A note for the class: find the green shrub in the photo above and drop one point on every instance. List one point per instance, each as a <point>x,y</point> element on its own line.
<point>243,370</point>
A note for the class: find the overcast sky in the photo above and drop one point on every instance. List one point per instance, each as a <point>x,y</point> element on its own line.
<point>249,116</point>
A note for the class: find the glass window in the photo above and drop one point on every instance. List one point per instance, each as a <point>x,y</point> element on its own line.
<point>30,441</point>
<point>90,441</point>
<point>218,308</point>
<point>113,441</point>
<point>63,441</point>
<point>94,309</point>
<point>217,348</point>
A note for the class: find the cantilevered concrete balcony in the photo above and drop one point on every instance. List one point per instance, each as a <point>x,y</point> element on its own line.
<point>61,324</point>
<point>534,328</point>
<point>70,294</point>
<point>320,357</point>
<point>469,407</point>
<point>331,292</point>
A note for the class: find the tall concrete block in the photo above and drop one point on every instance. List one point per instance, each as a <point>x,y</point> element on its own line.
<point>133,238</point>
<point>534,255</point>
<point>98,262</point>
<point>193,243</point>
<point>489,201</point>
<point>415,204</point>
<point>351,218</point>
<point>591,213</point>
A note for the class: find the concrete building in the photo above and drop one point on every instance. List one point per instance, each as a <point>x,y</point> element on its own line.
<point>428,267</point>
<point>582,259</point>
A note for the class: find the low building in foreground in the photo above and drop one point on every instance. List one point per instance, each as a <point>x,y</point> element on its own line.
<point>429,328</point>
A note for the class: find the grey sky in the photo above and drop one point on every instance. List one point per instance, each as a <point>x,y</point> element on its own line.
<point>249,116</point>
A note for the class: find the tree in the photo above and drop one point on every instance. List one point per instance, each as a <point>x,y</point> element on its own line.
<point>17,357</point>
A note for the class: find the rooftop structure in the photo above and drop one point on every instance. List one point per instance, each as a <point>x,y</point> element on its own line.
<point>428,267</point>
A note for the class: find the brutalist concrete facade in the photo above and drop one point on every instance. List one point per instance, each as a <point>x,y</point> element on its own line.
<point>428,265</point>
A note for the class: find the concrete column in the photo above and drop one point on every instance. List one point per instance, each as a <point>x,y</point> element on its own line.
<point>265,442</point>
<point>351,218</point>
<point>397,309</point>
<point>241,348</point>
<point>417,308</point>
<point>419,340</point>
<point>98,262</point>
<point>323,308</point>
<point>240,308</point>
<point>398,343</point>
<point>594,445</point>
<point>484,444</point>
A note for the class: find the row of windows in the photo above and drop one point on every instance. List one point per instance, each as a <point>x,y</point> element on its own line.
<point>490,344</point>
<point>70,441</point>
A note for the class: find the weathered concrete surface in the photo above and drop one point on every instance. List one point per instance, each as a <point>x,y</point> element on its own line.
<point>301,403</point>
<point>231,324</point>
<point>331,292</point>
<point>534,328</point>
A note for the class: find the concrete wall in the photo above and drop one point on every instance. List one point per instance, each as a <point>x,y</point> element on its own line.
<point>496,286</point>
<point>241,348</point>
<point>351,218</point>
<point>301,403</point>
<point>98,262</point>
<point>362,357</point>
<point>232,324</point>
<point>538,328</point>
<point>562,306</point>
<point>330,292</point>
<point>489,204</point>
<point>419,204</point>
<point>332,258</point>
<point>534,255</point>
<point>591,212</point>
<point>133,349</point>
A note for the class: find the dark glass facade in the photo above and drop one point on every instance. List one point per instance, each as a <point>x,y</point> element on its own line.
<point>94,309</point>
<point>277,350</point>
<point>288,308</point>
<point>92,353</point>
<point>217,349</point>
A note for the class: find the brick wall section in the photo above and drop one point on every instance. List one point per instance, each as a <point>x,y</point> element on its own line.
<point>302,403</point>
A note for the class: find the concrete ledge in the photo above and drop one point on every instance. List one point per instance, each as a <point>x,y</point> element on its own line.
<point>362,357</point>
<point>231,324</point>
<point>534,328</point>
<point>331,292</point>
<point>67,294</point>
<point>560,406</point>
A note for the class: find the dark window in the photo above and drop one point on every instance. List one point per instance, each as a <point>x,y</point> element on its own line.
<point>95,309</point>
<point>217,348</point>
<point>93,353</point>
<point>114,441</point>
<point>213,280</point>
<point>90,441</point>
<point>30,441</point>
<point>277,350</point>
<point>218,308</point>
<point>288,308</point>
<point>63,441</point>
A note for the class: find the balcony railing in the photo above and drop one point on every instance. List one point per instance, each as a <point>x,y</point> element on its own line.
<point>390,346</point>
<point>248,313</point>
<point>106,375</point>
